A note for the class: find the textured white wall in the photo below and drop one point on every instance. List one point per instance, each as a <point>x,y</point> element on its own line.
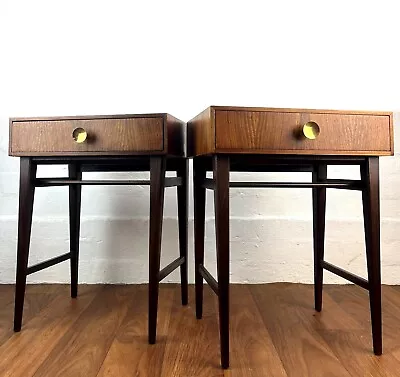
<point>103,57</point>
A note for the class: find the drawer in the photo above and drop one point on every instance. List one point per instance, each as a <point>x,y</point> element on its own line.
<point>111,135</point>
<point>281,132</point>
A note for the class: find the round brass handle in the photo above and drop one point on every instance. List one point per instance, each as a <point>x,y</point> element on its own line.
<point>79,135</point>
<point>311,130</point>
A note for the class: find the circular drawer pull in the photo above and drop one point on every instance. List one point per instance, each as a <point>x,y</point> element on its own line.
<point>79,135</point>
<point>311,130</point>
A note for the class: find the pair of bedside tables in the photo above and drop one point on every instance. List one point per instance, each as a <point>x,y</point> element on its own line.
<point>221,140</point>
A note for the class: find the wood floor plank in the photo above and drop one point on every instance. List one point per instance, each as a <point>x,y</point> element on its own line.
<point>82,349</point>
<point>356,355</point>
<point>6,312</point>
<point>355,301</point>
<point>23,353</point>
<point>301,348</point>
<point>253,353</point>
<point>347,338</point>
<point>130,354</point>
<point>274,330</point>
<point>36,299</point>
<point>391,304</point>
<point>192,347</point>
<point>332,316</point>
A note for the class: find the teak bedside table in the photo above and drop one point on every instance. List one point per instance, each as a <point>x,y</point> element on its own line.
<point>147,142</point>
<point>224,139</point>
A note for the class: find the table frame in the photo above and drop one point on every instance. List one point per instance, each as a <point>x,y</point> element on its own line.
<point>157,165</point>
<point>222,164</point>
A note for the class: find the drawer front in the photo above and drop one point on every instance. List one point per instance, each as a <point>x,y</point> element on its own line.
<point>281,132</point>
<point>104,136</point>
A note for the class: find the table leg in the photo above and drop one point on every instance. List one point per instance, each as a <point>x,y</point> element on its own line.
<point>157,187</point>
<point>26,197</point>
<point>319,209</point>
<point>199,173</point>
<point>74,172</point>
<point>221,202</point>
<point>182,199</point>
<point>370,197</point>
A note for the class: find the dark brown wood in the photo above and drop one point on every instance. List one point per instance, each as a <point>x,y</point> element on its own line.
<point>370,197</point>
<point>48,263</point>
<point>183,210</point>
<point>157,188</point>
<point>329,183</point>
<point>26,196</point>
<point>361,282</point>
<point>221,203</point>
<point>132,142</point>
<point>199,174</point>
<point>76,165</point>
<point>318,165</point>
<point>277,131</point>
<point>134,134</point>
<point>75,193</point>
<point>108,163</point>
<point>205,274</point>
<point>178,262</point>
<point>175,130</point>
<point>339,184</point>
<point>319,208</point>
<point>48,182</point>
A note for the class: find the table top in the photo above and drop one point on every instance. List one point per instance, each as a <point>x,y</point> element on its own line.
<point>259,130</point>
<point>98,135</point>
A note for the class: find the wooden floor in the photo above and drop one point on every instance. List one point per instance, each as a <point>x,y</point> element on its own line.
<point>274,332</point>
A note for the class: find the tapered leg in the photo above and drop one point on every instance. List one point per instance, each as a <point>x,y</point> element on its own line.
<point>199,173</point>
<point>221,202</point>
<point>26,196</point>
<point>370,197</point>
<point>319,208</point>
<point>157,186</point>
<point>182,193</point>
<point>74,224</point>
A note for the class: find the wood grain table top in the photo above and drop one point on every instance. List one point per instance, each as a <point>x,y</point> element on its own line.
<point>221,129</point>
<point>131,134</point>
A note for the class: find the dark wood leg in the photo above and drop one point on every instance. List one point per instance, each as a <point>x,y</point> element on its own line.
<point>157,186</point>
<point>319,208</point>
<point>199,173</point>
<point>370,197</point>
<point>26,196</point>
<point>221,202</point>
<point>182,195</point>
<point>74,224</point>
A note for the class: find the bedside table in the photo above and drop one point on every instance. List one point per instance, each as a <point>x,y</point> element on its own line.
<point>225,139</point>
<point>145,142</point>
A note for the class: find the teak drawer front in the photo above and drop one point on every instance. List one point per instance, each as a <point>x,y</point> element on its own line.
<point>280,132</point>
<point>104,136</point>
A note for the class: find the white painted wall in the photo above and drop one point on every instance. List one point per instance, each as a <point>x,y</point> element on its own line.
<point>107,57</point>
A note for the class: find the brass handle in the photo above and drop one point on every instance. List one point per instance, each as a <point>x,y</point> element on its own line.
<point>311,130</point>
<point>79,135</point>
